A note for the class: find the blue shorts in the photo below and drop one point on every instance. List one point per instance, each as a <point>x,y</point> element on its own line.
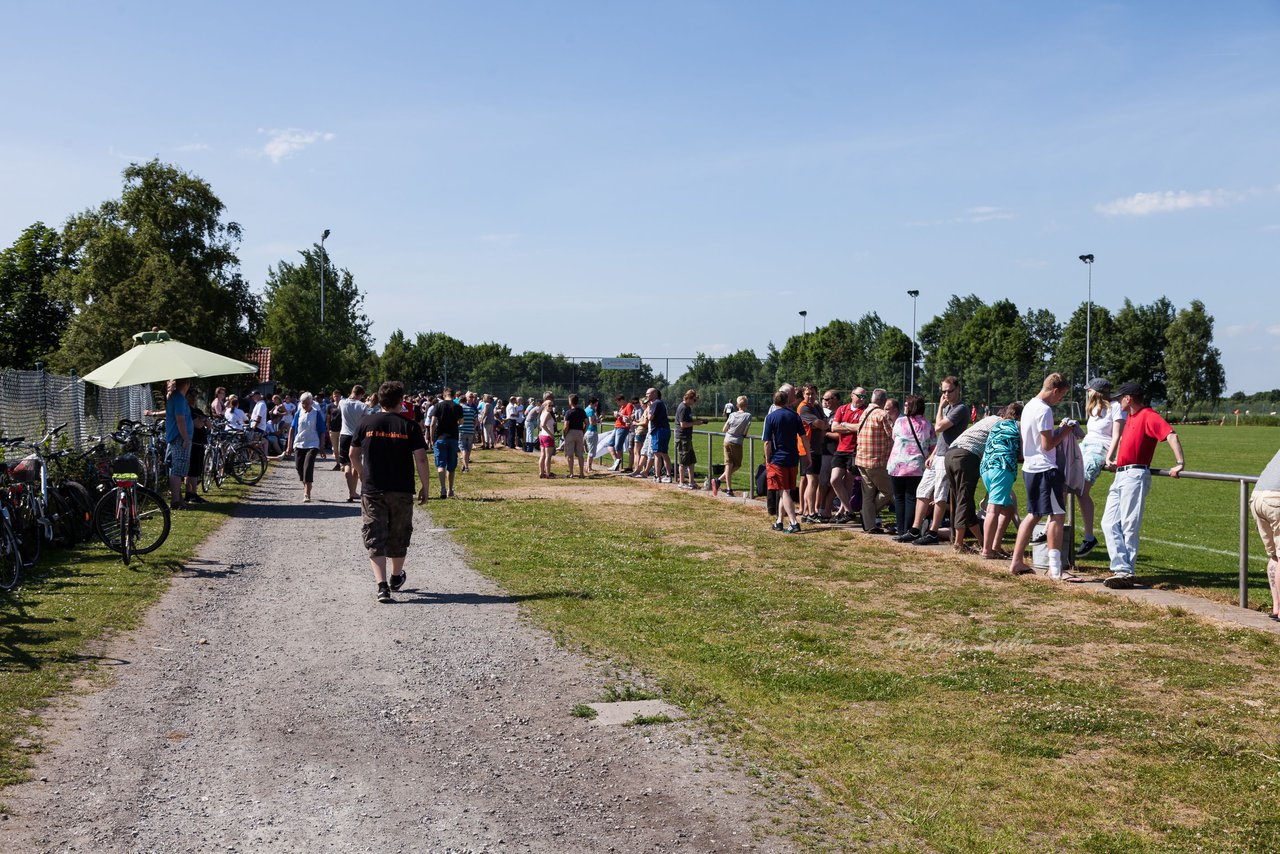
<point>619,440</point>
<point>1095,458</point>
<point>1044,493</point>
<point>446,452</point>
<point>660,440</point>
<point>999,484</point>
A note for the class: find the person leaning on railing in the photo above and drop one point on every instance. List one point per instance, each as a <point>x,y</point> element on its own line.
<point>1266,512</point>
<point>1122,519</point>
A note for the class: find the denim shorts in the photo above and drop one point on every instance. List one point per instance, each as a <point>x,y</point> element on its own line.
<point>660,440</point>
<point>446,453</point>
<point>1095,457</point>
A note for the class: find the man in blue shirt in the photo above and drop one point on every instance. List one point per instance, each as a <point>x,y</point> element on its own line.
<point>782,430</point>
<point>177,433</point>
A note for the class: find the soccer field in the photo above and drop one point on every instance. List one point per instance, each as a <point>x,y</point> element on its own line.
<point>1190,533</point>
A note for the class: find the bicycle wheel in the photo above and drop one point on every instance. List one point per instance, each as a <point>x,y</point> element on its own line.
<point>248,465</point>
<point>27,529</point>
<point>151,522</point>
<point>106,522</point>
<point>81,504</point>
<point>61,519</point>
<point>220,467</point>
<point>150,468</point>
<point>10,556</point>
<point>206,470</point>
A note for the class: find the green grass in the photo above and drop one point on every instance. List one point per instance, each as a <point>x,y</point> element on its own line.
<point>51,627</point>
<point>915,706</point>
<point>1190,532</point>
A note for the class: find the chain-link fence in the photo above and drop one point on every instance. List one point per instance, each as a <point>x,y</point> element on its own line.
<point>33,401</point>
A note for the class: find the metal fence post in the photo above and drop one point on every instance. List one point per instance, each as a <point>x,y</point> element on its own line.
<point>711,471</point>
<point>1244,544</point>
<point>751,467</point>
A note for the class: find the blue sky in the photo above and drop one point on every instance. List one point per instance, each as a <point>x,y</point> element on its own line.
<point>664,178</point>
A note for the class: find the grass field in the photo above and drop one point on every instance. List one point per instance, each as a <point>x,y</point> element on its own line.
<point>929,705</point>
<point>51,626</point>
<point>1190,532</point>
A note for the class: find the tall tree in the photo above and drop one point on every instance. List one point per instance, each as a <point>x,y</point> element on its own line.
<point>32,318</point>
<point>1069,355</point>
<point>1045,333</point>
<point>1136,353</point>
<point>1192,365</point>
<point>307,354</point>
<point>942,337</point>
<point>161,255</point>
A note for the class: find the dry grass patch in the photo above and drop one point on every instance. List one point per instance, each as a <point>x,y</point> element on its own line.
<point>931,702</point>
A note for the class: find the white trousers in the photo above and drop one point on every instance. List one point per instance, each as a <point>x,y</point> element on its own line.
<point>1123,518</point>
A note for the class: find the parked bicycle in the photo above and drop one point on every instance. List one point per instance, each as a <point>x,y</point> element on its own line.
<point>131,519</point>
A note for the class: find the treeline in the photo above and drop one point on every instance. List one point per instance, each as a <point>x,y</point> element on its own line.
<point>163,254</point>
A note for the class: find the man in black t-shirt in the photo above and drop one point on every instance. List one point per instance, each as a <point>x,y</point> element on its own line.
<point>445,419</point>
<point>384,451</point>
<point>685,457</point>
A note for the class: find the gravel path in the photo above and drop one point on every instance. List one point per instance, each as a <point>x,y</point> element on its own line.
<point>270,704</point>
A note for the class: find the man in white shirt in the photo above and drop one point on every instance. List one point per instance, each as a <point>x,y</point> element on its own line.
<point>1041,475</point>
<point>258,421</point>
<point>352,409</point>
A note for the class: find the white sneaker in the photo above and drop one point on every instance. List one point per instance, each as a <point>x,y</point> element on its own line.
<point>617,466</point>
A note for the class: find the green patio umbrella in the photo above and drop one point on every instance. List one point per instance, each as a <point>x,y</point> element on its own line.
<point>156,357</point>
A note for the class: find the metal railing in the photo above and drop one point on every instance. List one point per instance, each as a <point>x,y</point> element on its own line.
<point>1244,480</point>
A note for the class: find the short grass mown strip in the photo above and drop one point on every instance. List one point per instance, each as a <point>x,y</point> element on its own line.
<point>51,626</point>
<point>931,703</point>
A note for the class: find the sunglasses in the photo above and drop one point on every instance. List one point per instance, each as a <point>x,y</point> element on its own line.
<point>860,396</point>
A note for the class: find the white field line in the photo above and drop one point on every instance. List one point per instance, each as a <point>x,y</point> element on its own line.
<point>1202,548</point>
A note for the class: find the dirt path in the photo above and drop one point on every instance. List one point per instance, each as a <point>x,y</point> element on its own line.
<point>270,704</point>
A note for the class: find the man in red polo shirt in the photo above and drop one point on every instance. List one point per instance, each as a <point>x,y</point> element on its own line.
<point>845,422</point>
<point>1122,519</point>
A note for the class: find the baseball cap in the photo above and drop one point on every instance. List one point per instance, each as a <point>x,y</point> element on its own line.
<point>1099,384</point>
<point>1129,388</point>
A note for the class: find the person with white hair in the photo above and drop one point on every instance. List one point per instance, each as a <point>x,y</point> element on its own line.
<point>305,434</point>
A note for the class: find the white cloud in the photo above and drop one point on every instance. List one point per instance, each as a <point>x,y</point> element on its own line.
<point>193,146</point>
<point>1144,204</point>
<point>981,213</point>
<point>1272,227</point>
<point>1274,330</point>
<point>1237,329</point>
<point>287,142</point>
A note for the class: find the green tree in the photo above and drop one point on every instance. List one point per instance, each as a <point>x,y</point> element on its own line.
<point>1069,355</point>
<point>742,368</point>
<point>1045,333</point>
<point>307,354</point>
<point>942,339</point>
<point>161,255</point>
<point>399,360</point>
<point>1192,365</point>
<point>32,318</point>
<point>1136,353</point>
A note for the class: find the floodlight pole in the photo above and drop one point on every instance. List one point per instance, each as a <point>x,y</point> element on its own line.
<point>1088,319</point>
<point>914,301</point>
<point>323,237</point>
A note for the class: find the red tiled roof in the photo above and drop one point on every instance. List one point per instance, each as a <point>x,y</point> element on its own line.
<point>261,356</point>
